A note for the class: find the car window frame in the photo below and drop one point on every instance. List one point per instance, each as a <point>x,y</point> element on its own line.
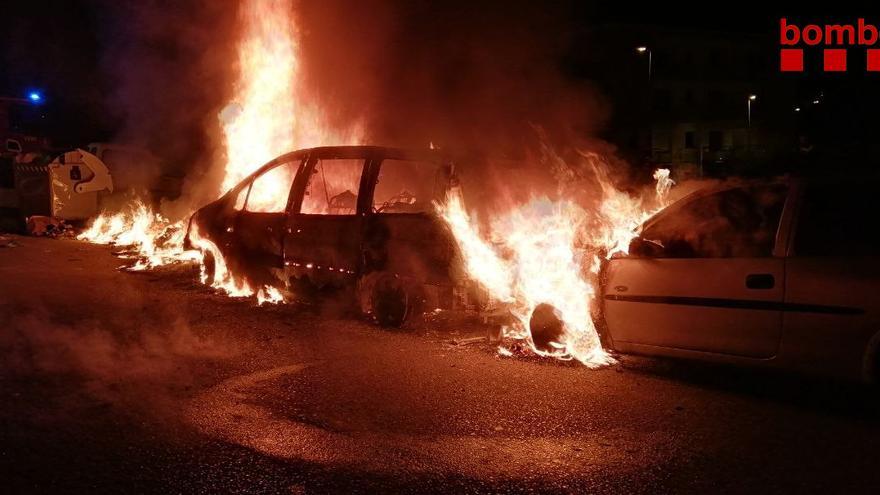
<point>787,220</point>
<point>234,192</point>
<point>248,181</point>
<point>803,188</point>
<point>376,171</point>
<point>278,162</point>
<point>307,167</point>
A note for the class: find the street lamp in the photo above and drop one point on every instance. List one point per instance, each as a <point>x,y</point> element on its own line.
<point>645,49</point>
<point>648,120</point>
<point>749,103</point>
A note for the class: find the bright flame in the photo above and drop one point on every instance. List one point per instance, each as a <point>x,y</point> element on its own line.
<point>269,295</point>
<point>271,113</point>
<point>622,215</point>
<point>542,252</point>
<point>153,240</point>
<point>542,266</point>
<point>664,184</point>
<point>481,260</point>
<point>223,278</point>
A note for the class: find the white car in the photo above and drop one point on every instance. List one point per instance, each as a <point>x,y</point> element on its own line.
<point>783,273</point>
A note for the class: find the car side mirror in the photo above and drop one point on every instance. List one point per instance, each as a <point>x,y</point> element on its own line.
<point>640,247</point>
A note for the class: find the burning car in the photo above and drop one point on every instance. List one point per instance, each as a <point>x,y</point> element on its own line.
<point>357,218</point>
<point>782,273</point>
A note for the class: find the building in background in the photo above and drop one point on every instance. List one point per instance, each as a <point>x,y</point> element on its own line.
<point>698,102</point>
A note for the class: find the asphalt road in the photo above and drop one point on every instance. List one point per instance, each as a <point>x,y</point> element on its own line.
<point>148,382</point>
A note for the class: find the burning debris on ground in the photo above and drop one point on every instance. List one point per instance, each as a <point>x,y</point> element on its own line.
<point>42,226</point>
<point>396,247</point>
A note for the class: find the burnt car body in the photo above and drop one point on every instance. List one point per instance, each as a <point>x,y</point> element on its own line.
<point>781,273</point>
<point>352,217</point>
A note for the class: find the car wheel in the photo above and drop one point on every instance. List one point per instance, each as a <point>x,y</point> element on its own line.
<point>391,300</point>
<point>546,327</point>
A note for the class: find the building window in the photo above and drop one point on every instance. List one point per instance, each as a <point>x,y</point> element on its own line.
<point>690,140</point>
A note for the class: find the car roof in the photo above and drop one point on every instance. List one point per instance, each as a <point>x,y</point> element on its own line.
<point>734,183</point>
<point>355,151</point>
<point>363,151</point>
<point>725,185</point>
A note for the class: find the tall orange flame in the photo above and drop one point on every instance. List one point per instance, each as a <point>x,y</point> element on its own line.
<point>270,114</point>
<point>549,259</point>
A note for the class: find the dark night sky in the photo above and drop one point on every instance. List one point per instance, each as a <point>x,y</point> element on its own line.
<point>66,48</point>
<point>55,47</point>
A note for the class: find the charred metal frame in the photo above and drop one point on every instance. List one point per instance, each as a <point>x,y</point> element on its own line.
<point>416,250</point>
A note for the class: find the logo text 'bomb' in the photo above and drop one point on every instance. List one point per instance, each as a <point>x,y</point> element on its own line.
<point>836,40</point>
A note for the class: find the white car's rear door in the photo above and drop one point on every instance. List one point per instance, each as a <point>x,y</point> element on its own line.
<point>833,278</point>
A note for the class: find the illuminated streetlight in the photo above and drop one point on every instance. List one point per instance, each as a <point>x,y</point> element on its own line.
<point>797,109</point>
<point>35,96</point>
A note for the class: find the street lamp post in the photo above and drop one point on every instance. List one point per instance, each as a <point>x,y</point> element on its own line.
<point>645,49</point>
<point>749,101</point>
<point>648,121</point>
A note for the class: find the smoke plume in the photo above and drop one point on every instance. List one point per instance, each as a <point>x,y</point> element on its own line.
<point>465,76</point>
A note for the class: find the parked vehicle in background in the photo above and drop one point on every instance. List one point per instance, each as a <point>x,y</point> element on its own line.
<point>779,273</point>
<point>360,218</point>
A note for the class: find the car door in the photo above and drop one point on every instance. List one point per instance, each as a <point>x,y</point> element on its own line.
<point>713,284</point>
<point>259,226</point>
<point>216,221</point>
<point>323,239</point>
<point>402,235</point>
<point>832,280</point>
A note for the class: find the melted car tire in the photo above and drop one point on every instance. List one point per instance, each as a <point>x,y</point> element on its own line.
<point>546,327</point>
